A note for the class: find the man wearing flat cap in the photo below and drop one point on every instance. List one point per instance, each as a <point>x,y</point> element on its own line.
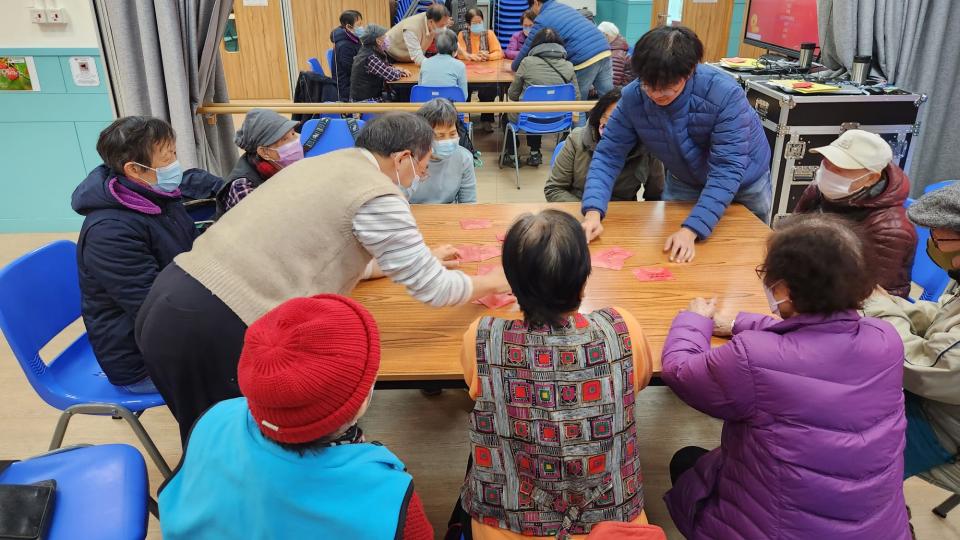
<point>931,339</point>
<point>269,144</point>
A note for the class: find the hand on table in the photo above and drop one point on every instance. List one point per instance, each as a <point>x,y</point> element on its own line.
<point>406,73</point>
<point>680,245</point>
<point>484,56</point>
<point>448,256</point>
<point>471,57</point>
<point>723,324</point>
<point>702,307</point>
<point>591,225</point>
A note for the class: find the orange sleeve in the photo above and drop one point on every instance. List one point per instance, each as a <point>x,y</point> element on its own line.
<point>642,357</point>
<point>461,46</point>
<point>496,51</point>
<point>468,359</point>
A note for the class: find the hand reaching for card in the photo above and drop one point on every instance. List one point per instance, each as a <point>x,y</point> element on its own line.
<point>448,255</point>
<point>723,324</point>
<point>680,245</point>
<point>702,307</point>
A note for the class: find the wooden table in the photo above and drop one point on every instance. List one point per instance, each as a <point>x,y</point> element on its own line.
<point>494,72</point>
<point>421,343</point>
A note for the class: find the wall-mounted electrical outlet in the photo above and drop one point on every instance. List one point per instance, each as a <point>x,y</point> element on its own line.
<point>38,16</point>
<point>56,16</point>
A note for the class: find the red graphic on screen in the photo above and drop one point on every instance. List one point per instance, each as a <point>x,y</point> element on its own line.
<point>784,23</point>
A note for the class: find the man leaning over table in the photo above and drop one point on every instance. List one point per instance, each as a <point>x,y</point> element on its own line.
<point>409,38</point>
<point>696,120</point>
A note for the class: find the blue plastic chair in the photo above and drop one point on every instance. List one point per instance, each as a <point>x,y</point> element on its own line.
<point>925,273</point>
<point>938,185</point>
<point>336,137</point>
<point>539,123</point>
<point>422,94</point>
<point>556,152</point>
<point>39,298</point>
<point>333,69</point>
<point>101,490</point>
<point>315,66</point>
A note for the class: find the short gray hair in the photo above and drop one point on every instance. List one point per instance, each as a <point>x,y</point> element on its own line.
<point>608,29</point>
<point>446,42</point>
<point>372,34</point>
<point>395,132</point>
<point>439,112</point>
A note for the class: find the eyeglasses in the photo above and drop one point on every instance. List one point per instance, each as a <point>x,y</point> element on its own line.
<point>761,271</point>
<point>669,91</point>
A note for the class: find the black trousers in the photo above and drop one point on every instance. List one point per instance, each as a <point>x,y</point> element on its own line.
<point>486,94</point>
<point>684,460</point>
<point>191,343</point>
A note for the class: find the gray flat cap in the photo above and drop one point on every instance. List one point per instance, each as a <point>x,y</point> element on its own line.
<point>262,127</point>
<point>938,209</point>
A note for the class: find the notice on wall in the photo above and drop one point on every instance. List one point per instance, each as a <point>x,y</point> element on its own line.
<point>247,3</point>
<point>18,74</point>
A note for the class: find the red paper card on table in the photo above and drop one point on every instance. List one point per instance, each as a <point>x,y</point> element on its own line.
<point>653,274</point>
<point>474,224</point>
<point>482,70</point>
<point>475,253</point>
<point>496,300</point>
<point>612,258</point>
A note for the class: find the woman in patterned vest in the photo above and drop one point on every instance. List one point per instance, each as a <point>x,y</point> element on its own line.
<point>553,438</point>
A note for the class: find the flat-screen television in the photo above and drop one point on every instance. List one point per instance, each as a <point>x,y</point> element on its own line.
<point>781,25</point>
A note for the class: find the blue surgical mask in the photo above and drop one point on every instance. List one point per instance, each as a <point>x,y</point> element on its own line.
<point>444,148</point>
<point>409,191</point>
<point>169,177</point>
<point>526,30</point>
<point>477,28</point>
<point>359,31</point>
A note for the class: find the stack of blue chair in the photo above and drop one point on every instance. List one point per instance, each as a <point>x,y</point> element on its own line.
<point>402,7</point>
<point>407,8</point>
<point>506,19</point>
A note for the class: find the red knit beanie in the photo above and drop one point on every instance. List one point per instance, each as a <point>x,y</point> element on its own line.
<point>308,365</point>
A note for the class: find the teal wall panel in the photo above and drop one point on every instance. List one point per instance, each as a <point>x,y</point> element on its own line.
<point>736,27</point>
<point>632,17</point>
<point>87,135</point>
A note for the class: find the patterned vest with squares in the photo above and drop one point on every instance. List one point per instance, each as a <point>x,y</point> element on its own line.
<point>553,437</point>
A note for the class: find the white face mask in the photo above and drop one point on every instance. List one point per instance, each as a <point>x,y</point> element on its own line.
<point>772,300</point>
<point>409,191</point>
<point>834,186</point>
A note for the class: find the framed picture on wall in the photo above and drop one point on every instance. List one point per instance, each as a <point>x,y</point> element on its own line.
<point>18,74</point>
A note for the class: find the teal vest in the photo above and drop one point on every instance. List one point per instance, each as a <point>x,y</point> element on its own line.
<point>233,483</point>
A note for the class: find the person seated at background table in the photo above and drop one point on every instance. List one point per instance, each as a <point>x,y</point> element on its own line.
<point>443,69</point>
<point>478,44</point>
<point>408,39</point>
<point>553,425</point>
<point>451,177</point>
<point>314,228</point>
<point>858,180</point>
<point>372,68</point>
<point>269,143</point>
<point>288,460</point>
<point>546,64</point>
<point>346,45</point>
<point>587,50</point>
<point>520,36</point>
<point>619,54</point>
<point>134,224</point>
<point>458,13</point>
<point>696,120</point>
<point>569,173</point>
<point>812,403</point>
<point>931,333</point>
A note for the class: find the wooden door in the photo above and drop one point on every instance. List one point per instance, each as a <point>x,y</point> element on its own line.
<point>711,21</point>
<point>314,20</point>
<point>661,10</point>
<point>255,65</point>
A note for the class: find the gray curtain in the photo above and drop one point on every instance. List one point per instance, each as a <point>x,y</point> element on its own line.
<point>165,62</point>
<point>914,44</point>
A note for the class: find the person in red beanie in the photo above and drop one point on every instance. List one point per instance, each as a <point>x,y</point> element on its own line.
<point>288,459</point>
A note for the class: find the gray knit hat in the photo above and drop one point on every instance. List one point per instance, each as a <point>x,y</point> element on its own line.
<point>938,209</point>
<point>262,127</point>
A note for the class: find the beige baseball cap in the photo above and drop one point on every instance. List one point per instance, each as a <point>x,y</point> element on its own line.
<point>858,149</point>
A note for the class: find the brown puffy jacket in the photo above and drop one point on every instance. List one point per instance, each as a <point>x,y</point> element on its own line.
<point>622,72</point>
<point>881,213</point>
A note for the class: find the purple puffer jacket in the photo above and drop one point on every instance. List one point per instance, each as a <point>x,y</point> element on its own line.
<point>813,433</point>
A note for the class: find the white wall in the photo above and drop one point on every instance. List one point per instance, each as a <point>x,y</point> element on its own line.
<point>18,31</point>
<point>589,4</point>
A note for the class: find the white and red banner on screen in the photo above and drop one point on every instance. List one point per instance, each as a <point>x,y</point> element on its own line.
<point>784,23</point>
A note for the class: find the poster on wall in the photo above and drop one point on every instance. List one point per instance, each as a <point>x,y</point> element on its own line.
<point>18,74</point>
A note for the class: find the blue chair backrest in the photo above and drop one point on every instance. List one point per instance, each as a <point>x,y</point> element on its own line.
<point>421,94</point>
<point>938,185</point>
<point>336,137</point>
<point>39,298</point>
<point>315,66</point>
<point>556,152</point>
<point>333,67</point>
<point>547,122</point>
<point>925,272</point>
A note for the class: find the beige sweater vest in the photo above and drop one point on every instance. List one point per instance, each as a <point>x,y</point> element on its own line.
<point>292,237</point>
<point>398,47</point>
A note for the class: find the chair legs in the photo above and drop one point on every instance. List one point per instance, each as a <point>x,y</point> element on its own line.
<point>946,506</point>
<point>100,409</point>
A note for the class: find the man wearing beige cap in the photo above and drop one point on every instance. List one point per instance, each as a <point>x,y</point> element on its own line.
<point>858,179</point>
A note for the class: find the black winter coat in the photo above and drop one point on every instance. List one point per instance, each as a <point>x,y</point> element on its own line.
<point>345,48</point>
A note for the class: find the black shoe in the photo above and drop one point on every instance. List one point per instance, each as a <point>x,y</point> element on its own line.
<point>484,127</point>
<point>535,159</point>
<point>508,160</point>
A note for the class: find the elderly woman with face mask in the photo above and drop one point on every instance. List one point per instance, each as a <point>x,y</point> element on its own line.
<point>269,144</point>
<point>858,180</point>
<point>322,225</point>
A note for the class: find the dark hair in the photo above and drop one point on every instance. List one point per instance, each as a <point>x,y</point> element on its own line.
<point>665,55</point>
<point>605,101</point>
<point>531,2</point>
<point>436,12</point>
<point>350,17</point>
<point>547,35</point>
<point>823,259</point>
<point>528,14</point>
<point>547,263</point>
<point>395,132</point>
<point>133,138</point>
<point>474,12</point>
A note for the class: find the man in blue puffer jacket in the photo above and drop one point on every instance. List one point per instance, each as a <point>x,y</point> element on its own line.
<point>696,120</point>
<point>587,48</point>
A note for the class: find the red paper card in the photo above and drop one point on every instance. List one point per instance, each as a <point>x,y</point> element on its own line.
<point>474,224</point>
<point>501,236</point>
<point>612,258</point>
<point>653,274</point>
<point>483,70</point>
<point>475,253</point>
<point>802,84</point>
<point>484,269</point>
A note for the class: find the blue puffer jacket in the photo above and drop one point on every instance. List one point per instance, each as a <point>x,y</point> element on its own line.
<point>581,38</point>
<point>708,137</point>
<point>130,232</point>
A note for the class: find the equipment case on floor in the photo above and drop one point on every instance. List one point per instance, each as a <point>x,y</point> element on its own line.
<point>795,124</point>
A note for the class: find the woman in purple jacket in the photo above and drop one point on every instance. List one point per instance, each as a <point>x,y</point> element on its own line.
<point>813,432</point>
<point>520,37</point>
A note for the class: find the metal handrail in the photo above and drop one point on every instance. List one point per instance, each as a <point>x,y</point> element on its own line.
<point>360,107</point>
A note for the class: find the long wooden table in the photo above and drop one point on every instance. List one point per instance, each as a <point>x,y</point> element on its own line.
<point>421,343</point>
<point>493,72</point>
